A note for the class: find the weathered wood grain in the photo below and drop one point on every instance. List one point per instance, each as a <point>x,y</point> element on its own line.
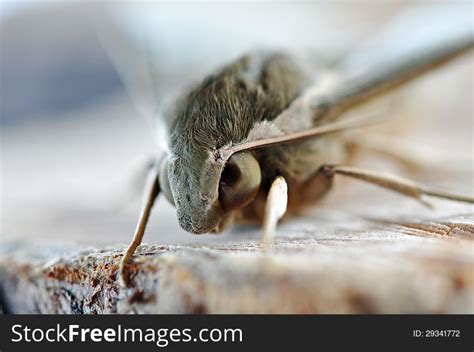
<point>416,267</point>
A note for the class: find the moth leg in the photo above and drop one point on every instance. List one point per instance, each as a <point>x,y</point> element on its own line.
<point>275,208</point>
<point>152,189</point>
<point>394,183</point>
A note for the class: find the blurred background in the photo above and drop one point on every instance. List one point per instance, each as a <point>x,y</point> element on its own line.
<point>72,134</point>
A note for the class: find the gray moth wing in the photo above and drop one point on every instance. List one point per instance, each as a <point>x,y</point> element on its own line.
<point>415,42</point>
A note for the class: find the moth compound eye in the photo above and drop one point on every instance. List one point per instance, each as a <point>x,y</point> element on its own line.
<point>240,181</point>
<point>164,182</point>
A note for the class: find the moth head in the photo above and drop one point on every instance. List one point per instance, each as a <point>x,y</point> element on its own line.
<point>205,200</point>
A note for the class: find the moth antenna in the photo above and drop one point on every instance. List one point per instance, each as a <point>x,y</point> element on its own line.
<point>152,189</point>
<point>339,126</point>
<point>275,208</point>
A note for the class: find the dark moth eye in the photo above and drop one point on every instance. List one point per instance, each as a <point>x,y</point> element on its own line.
<point>240,181</point>
<point>164,181</point>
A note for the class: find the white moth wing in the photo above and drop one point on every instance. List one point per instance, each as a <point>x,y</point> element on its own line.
<point>161,48</point>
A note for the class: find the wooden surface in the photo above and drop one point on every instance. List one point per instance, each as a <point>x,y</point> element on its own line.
<point>358,267</point>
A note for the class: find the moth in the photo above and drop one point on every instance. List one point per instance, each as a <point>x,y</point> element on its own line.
<point>262,136</point>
